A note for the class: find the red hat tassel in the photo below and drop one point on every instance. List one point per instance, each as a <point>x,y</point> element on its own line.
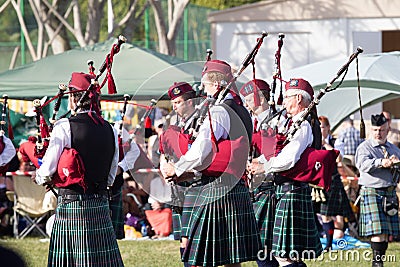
<point>147,128</point>
<point>10,129</point>
<point>44,128</point>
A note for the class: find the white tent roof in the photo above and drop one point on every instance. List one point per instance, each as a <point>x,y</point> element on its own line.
<point>379,81</point>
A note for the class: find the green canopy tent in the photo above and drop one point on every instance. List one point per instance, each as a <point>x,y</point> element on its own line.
<point>379,81</point>
<point>141,73</point>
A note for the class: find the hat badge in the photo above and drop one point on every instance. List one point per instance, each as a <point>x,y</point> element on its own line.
<point>294,82</point>
<point>176,91</point>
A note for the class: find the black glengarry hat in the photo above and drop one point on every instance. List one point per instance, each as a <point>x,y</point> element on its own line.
<point>378,120</point>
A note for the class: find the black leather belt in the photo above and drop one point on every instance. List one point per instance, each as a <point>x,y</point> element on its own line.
<point>387,189</point>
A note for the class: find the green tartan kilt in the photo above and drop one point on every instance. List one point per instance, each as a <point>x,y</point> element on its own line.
<point>176,225</point>
<point>373,221</point>
<point>83,235</point>
<point>117,214</point>
<point>221,231</point>
<point>337,202</point>
<point>295,233</point>
<point>264,210</point>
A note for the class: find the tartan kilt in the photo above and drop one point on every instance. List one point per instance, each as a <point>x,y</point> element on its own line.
<point>295,233</point>
<point>373,221</point>
<point>221,231</point>
<point>264,210</point>
<point>83,235</point>
<point>117,214</point>
<point>337,202</point>
<point>176,225</point>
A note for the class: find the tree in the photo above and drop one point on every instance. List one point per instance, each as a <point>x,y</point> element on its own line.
<point>61,22</point>
<point>166,38</point>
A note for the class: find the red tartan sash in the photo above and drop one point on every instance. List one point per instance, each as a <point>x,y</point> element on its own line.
<point>264,142</point>
<point>174,142</point>
<point>314,166</point>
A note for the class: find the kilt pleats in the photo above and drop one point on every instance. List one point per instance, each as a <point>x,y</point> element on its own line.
<point>220,226</point>
<point>337,202</point>
<point>83,235</point>
<point>295,233</point>
<point>117,214</point>
<point>264,211</point>
<point>373,221</point>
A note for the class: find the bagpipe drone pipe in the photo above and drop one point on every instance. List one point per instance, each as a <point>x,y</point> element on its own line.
<point>70,169</point>
<point>315,166</point>
<point>176,143</point>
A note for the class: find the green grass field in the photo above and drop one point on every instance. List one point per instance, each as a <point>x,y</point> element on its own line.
<point>166,253</point>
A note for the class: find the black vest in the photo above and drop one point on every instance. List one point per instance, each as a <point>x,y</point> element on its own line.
<point>240,122</point>
<point>95,144</point>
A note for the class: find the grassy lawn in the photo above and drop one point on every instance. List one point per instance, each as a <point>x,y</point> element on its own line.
<point>166,253</point>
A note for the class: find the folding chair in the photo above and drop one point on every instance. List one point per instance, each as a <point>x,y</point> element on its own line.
<point>33,203</point>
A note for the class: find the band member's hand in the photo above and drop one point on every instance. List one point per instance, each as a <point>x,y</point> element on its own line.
<point>186,176</point>
<point>386,163</point>
<point>167,170</point>
<point>156,205</point>
<point>394,159</point>
<point>257,168</point>
<point>119,170</point>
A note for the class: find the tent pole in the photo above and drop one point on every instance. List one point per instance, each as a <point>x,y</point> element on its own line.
<point>23,59</point>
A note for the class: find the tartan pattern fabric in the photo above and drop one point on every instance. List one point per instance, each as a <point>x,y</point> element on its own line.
<point>295,233</point>
<point>264,210</point>
<point>373,221</point>
<point>222,231</point>
<point>176,225</point>
<point>83,235</point>
<point>337,202</point>
<point>351,139</point>
<point>117,214</point>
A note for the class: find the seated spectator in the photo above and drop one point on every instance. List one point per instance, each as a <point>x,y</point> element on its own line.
<point>160,215</point>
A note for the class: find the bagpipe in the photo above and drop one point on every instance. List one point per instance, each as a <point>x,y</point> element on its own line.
<point>221,160</point>
<point>3,122</point>
<point>70,169</point>
<point>315,166</point>
<point>277,76</point>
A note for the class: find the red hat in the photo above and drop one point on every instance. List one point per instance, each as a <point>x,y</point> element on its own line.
<point>218,66</point>
<point>300,84</point>
<point>80,80</point>
<point>178,89</point>
<point>224,68</point>
<point>252,85</point>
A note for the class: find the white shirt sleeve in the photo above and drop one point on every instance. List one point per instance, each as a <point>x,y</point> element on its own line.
<point>203,145</point>
<point>60,138</point>
<point>291,153</point>
<point>8,152</point>
<point>114,164</point>
<point>128,162</point>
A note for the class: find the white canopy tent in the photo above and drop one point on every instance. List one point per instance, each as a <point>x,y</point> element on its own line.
<point>379,81</point>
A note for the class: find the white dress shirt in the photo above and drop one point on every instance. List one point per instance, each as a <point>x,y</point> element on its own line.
<point>195,158</point>
<point>291,153</point>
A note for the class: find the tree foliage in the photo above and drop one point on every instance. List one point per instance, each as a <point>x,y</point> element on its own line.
<point>59,24</point>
